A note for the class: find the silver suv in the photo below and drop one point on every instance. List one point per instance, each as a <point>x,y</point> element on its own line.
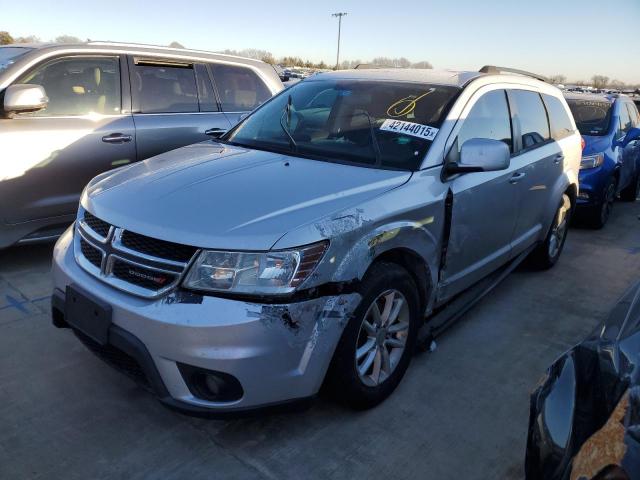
<point>70,112</point>
<point>318,238</point>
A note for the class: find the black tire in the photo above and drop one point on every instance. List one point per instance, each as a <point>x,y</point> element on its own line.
<point>597,216</point>
<point>343,379</point>
<point>630,192</point>
<point>546,254</point>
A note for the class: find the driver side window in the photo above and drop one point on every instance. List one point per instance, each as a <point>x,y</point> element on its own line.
<point>78,86</point>
<point>488,118</point>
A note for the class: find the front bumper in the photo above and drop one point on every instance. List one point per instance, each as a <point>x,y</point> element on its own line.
<point>592,185</point>
<point>278,353</point>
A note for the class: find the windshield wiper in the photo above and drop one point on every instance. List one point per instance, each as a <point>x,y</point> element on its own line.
<point>374,140</point>
<point>287,111</point>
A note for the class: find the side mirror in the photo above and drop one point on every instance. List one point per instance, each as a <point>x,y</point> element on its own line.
<point>24,98</point>
<point>481,155</point>
<point>284,78</point>
<point>633,134</point>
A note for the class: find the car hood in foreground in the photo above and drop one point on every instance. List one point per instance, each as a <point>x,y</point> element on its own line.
<point>585,415</point>
<point>220,196</point>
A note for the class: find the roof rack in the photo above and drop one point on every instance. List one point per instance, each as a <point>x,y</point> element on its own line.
<point>162,47</point>
<point>494,69</point>
<point>371,66</point>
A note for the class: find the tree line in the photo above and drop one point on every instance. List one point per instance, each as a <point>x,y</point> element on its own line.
<point>597,81</point>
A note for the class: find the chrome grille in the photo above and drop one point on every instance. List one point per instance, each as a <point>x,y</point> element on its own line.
<point>98,226</point>
<point>92,254</point>
<point>135,263</point>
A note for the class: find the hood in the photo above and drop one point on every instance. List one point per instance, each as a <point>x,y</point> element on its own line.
<point>596,144</point>
<point>218,196</point>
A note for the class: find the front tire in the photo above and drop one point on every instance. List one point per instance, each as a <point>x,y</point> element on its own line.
<point>599,215</point>
<point>546,254</point>
<point>377,344</point>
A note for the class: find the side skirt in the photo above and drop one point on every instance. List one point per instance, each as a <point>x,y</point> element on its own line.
<point>446,315</point>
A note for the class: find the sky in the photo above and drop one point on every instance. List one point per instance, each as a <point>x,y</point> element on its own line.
<point>576,38</point>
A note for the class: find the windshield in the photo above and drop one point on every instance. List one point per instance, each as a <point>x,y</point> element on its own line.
<point>379,124</point>
<point>8,55</point>
<point>592,116</point>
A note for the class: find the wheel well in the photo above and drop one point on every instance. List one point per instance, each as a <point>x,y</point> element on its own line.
<point>616,174</point>
<point>572,191</point>
<point>415,265</point>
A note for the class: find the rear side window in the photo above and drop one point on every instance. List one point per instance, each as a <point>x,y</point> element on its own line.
<point>208,102</point>
<point>165,89</point>
<point>488,118</point>
<point>534,126</point>
<point>240,89</point>
<point>558,117</point>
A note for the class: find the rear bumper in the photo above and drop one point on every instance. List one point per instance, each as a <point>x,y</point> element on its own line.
<point>278,353</point>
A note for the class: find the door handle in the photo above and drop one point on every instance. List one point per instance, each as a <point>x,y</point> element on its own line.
<point>558,158</point>
<point>117,138</point>
<point>516,177</point>
<point>215,132</point>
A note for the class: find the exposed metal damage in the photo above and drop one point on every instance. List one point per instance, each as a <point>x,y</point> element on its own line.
<point>306,322</point>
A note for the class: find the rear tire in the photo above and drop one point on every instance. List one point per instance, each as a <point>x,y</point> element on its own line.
<point>377,344</point>
<point>630,192</point>
<point>598,216</point>
<point>546,254</point>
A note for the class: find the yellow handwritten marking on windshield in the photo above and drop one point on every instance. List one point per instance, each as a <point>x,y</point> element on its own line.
<point>405,105</point>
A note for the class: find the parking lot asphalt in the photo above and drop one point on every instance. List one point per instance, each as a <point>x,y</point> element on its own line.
<point>461,411</point>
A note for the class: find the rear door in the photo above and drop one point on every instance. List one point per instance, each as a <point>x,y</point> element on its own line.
<point>538,160</point>
<point>50,155</point>
<point>240,89</point>
<point>484,204</point>
<point>173,104</point>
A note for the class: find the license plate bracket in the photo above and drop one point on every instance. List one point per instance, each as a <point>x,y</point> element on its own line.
<point>87,314</point>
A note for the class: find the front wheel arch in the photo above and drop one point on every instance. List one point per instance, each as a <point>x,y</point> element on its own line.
<point>412,263</point>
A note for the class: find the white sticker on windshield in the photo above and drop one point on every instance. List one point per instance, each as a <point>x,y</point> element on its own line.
<point>409,128</point>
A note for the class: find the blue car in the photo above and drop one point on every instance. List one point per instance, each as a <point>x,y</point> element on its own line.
<point>610,164</point>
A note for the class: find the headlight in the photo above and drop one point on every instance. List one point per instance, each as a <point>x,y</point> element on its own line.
<point>591,161</point>
<point>276,272</point>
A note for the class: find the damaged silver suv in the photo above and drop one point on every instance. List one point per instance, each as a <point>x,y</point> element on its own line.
<point>341,224</point>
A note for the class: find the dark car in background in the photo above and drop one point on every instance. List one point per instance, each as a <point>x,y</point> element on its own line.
<point>585,415</point>
<point>70,112</point>
<point>611,156</point>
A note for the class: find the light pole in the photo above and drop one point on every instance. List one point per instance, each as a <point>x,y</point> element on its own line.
<point>339,15</point>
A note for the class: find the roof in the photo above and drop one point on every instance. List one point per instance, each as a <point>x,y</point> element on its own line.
<point>438,77</point>
<point>594,97</point>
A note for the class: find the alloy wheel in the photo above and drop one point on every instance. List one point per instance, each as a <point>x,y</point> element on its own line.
<point>607,202</point>
<point>382,337</point>
<point>559,229</point>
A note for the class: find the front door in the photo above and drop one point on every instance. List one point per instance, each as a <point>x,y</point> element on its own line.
<point>484,204</point>
<point>49,156</point>
<point>626,155</point>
